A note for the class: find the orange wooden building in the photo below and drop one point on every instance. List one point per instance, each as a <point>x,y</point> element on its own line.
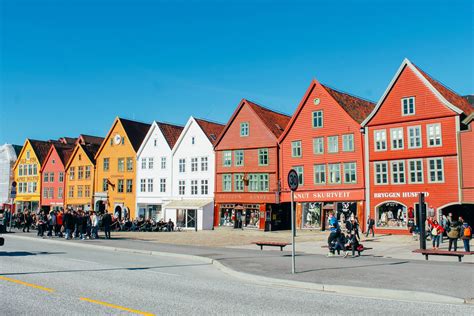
<point>418,140</point>
<point>324,145</point>
<point>247,175</point>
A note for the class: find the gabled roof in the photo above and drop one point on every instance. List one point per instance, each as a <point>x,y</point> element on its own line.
<point>89,139</point>
<point>68,140</point>
<point>90,150</point>
<point>64,152</point>
<point>41,148</point>
<point>170,132</point>
<point>446,96</point>
<point>136,131</point>
<point>356,107</point>
<point>211,129</point>
<point>274,121</point>
<point>452,97</point>
<point>17,149</point>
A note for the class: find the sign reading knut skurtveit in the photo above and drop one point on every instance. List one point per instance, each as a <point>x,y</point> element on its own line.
<point>293,184</point>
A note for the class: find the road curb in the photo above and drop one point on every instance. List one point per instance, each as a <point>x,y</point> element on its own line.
<point>262,280</point>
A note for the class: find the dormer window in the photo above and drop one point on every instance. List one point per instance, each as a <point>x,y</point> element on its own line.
<point>408,106</point>
<point>193,140</point>
<point>155,142</point>
<point>244,129</point>
<point>28,154</point>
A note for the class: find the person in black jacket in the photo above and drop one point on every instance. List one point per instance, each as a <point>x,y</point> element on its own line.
<point>69,223</point>
<point>107,221</point>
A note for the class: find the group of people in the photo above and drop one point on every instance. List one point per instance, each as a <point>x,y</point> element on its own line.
<point>452,228</point>
<point>344,237</point>
<point>144,225</point>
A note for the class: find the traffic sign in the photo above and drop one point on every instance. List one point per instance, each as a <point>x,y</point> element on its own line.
<point>293,180</point>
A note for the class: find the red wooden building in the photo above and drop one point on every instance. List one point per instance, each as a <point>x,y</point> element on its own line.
<point>247,175</point>
<point>323,143</point>
<point>414,138</point>
<point>53,176</point>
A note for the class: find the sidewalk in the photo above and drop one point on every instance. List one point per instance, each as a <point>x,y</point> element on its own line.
<point>443,278</point>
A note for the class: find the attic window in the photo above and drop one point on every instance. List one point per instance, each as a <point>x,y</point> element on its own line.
<point>213,136</point>
<point>27,154</point>
<point>80,157</point>
<point>278,126</point>
<point>53,161</point>
<point>244,129</point>
<point>193,140</point>
<point>155,142</point>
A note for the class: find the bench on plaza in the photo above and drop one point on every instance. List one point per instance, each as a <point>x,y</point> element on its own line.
<point>271,244</point>
<point>437,252</point>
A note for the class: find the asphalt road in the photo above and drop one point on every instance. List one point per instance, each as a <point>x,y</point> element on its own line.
<point>41,278</point>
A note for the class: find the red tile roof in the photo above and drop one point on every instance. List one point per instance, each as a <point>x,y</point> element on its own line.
<point>356,107</point>
<point>455,99</point>
<point>170,132</point>
<point>211,129</point>
<point>276,122</point>
<point>89,139</point>
<point>136,131</point>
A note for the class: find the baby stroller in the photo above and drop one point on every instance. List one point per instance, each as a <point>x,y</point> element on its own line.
<point>352,241</point>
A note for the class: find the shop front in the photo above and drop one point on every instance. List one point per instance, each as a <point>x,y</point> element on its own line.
<point>150,211</point>
<point>190,214</point>
<point>240,215</point>
<point>23,205</point>
<point>313,207</point>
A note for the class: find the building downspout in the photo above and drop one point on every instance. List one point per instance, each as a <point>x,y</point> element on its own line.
<point>459,158</point>
<point>367,174</point>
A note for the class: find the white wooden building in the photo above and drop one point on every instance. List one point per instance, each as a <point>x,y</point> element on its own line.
<point>193,174</point>
<point>154,170</point>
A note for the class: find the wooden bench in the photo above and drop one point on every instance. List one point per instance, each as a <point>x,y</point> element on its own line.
<point>433,252</point>
<point>271,244</point>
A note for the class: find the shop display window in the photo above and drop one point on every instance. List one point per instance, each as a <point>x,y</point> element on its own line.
<point>346,211</point>
<point>227,215</point>
<point>311,215</point>
<point>391,215</point>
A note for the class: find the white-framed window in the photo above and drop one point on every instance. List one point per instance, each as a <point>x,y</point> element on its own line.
<point>227,158</point>
<point>130,164</point>
<point>142,185</point>
<point>150,163</point>
<point>80,173</point>
<point>60,193</point>
<point>436,170</point>
<point>194,164</point>
<point>348,142</point>
<point>239,158</point>
<point>204,164</point>
<point>28,155</point>
<point>319,174</point>
<point>414,137</point>
<point>296,148</point>
<point>398,171</point>
<point>408,106</point>
<point>415,169</point>
<point>182,165</point>
<point>194,187</point>
<point>163,163</point>
<point>106,164</point>
<point>121,164</point>
<point>238,182</point>
<point>20,171</point>
<point>79,191</point>
<point>263,157</point>
<point>380,140</point>
<point>51,193</point>
<point>381,172</point>
<point>45,177</point>
<point>162,185</point>
<point>318,145</point>
<point>71,173</point>
<point>51,176</point>
<point>300,171</point>
<point>45,193</point>
<point>129,184</point>
<point>397,138</point>
<point>204,187</point>
<point>143,163</point>
<point>350,172</point>
<point>87,173</point>
<point>433,132</point>
<point>226,182</point>
<point>70,193</point>
<point>244,129</point>
<point>263,184</point>
<point>334,173</point>
<point>181,187</point>
<point>318,119</point>
<point>333,144</point>
<point>150,184</point>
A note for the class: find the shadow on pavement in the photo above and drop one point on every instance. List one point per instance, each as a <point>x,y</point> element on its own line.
<point>27,253</point>
<point>358,266</point>
<point>109,269</point>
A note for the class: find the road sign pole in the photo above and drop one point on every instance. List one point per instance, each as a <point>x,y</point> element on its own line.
<point>292,234</point>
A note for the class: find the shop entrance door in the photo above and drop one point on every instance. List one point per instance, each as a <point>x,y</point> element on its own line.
<point>191,218</point>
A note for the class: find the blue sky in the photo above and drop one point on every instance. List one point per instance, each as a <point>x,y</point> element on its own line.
<point>71,67</point>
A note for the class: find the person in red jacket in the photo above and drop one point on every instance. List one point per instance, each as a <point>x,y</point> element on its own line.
<point>436,233</point>
<point>59,224</point>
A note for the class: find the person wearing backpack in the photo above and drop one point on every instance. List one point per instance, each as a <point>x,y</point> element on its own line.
<point>466,235</point>
<point>453,235</point>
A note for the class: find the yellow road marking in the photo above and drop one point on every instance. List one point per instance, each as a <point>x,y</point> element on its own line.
<point>117,307</point>
<point>39,287</point>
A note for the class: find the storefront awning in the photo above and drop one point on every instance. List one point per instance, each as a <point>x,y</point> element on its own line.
<point>188,203</point>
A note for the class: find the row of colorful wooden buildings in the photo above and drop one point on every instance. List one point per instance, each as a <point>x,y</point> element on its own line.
<point>354,158</point>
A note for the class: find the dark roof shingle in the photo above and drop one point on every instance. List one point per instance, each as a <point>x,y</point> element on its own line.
<point>276,122</point>
<point>452,97</point>
<point>170,132</point>
<point>41,148</point>
<point>136,132</point>
<point>90,150</point>
<point>211,129</point>
<point>89,139</point>
<point>356,107</point>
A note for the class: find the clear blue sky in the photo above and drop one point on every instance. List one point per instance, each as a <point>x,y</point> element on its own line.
<point>70,67</point>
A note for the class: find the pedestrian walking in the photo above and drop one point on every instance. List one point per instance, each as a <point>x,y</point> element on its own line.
<point>436,233</point>
<point>68,221</point>
<point>453,234</point>
<point>51,223</point>
<point>59,223</point>
<point>107,222</point>
<point>95,225</point>
<point>26,221</point>
<point>466,235</point>
<point>370,227</point>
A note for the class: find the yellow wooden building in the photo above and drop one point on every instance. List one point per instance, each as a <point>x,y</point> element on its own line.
<point>116,168</point>
<point>27,171</point>
<point>80,175</point>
